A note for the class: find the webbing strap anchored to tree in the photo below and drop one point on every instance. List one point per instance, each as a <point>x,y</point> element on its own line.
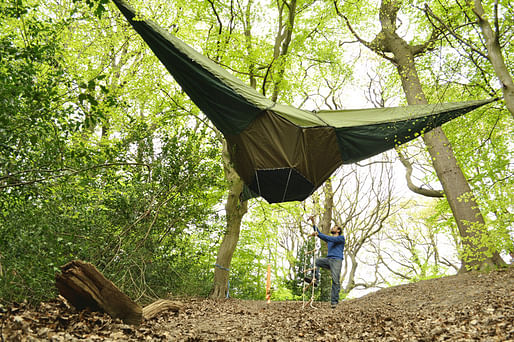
<point>228,281</point>
<point>223,268</point>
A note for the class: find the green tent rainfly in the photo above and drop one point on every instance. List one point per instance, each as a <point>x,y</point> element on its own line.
<point>283,153</point>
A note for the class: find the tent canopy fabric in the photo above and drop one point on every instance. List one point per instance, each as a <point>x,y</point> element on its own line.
<point>283,153</point>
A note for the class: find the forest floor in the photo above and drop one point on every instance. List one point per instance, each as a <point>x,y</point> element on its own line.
<point>468,307</point>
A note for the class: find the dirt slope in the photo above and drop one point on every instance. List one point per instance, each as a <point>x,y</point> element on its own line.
<point>469,307</point>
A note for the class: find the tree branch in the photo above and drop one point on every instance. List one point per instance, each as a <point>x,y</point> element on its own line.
<point>428,11</point>
<point>428,45</point>
<point>220,23</point>
<point>73,172</point>
<point>408,176</point>
<point>376,45</point>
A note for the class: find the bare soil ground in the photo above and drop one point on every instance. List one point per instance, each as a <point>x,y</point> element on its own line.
<point>469,307</point>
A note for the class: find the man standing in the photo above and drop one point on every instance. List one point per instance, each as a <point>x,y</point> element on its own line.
<point>334,260</point>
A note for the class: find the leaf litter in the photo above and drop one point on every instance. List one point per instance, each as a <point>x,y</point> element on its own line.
<point>467,307</point>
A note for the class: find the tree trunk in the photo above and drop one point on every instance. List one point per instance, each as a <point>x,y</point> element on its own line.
<point>235,210</point>
<point>282,42</point>
<point>351,275</point>
<point>494,54</point>
<point>326,222</point>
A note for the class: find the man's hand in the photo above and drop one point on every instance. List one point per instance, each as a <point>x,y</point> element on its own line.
<point>311,218</point>
<point>313,234</point>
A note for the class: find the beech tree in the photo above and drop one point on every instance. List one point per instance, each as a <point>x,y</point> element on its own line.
<point>235,208</point>
<point>391,46</point>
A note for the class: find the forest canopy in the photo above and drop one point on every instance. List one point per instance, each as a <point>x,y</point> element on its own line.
<point>104,158</point>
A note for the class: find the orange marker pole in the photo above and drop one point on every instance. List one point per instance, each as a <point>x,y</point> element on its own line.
<point>268,284</point>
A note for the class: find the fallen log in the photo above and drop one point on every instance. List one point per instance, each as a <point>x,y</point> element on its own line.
<point>85,287</point>
<point>152,310</point>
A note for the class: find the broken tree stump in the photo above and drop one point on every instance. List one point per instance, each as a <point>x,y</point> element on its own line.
<point>85,287</point>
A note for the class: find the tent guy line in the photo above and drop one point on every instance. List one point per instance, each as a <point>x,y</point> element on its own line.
<point>283,153</point>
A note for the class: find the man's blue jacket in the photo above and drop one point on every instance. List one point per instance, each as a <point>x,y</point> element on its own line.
<point>335,244</point>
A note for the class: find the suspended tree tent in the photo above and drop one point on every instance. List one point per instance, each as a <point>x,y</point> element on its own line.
<point>283,153</point>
